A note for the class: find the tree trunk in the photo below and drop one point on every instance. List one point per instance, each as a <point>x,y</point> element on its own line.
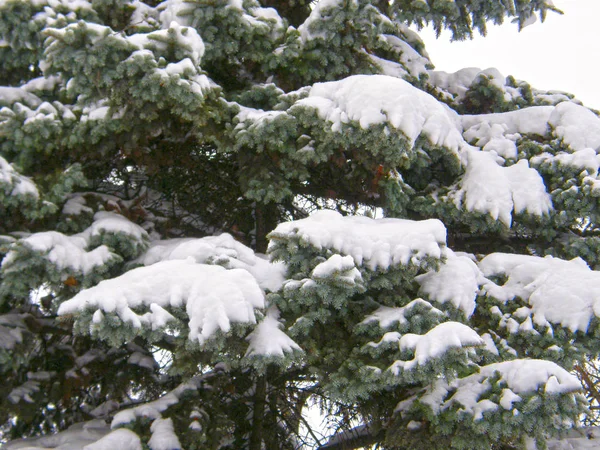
<point>258,414</point>
<point>266,217</point>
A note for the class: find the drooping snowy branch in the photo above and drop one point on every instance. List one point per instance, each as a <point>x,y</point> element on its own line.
<point>376,244</point>
<point>558,291</point>
<point>211,296</point>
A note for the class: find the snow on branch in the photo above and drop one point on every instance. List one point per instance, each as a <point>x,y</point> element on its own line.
<point>378,99</point>
<point>559,291</point>
<point>163,435</point>
<point>223,250</point>
<point>435,343</point>
<point>390,109</point>
<point>386,316</point>
<point>63,251</point>
<point>268,339</point>
<point>88,435</point>
<point>153,410</point>
<point>15,184</point>
<point>374,243</point>
<point>501,191</point>
<point>519,377</point>
<point>212,297</point>
<point>456,281</point>
<point>73,252</point>
<point>122,439</point>
<point>576,125</point>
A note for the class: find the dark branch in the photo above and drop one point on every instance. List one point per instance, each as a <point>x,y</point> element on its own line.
<point>361,436</point>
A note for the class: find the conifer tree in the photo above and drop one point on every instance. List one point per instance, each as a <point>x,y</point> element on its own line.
<point>215,213</point>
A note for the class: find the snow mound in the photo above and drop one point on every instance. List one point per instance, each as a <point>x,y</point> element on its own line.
<point>435,343</point>
<point>10,95</point>
<point>65,252</point>
<point>123,439</point>
<point>500,191</point>
<point>268,339</point>
<point>386,316</point>
<point>499,132</point>
<point>380,99</point>
<point>76,205</point>
<point>108,222</point>
<point>342,266</point>
<point>458,83</point>
<point>212,296</point>
<point>519,377</point>
<point>456,281</point>
<point>223,250</point>
<point>77,437</point>
<point>532,120</point>
<point>558,291</point>
<point>374,243</point>
<point>15,184</point>
<point>586,159</point>
<point>576,125</point>
<point>163,436</point>
<point>71,252</point>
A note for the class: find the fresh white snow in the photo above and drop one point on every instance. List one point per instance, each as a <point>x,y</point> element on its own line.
<point>80,436</point>
<point>435,343</point>
<point>71,252</point>
<point>532,120</point>
<point>163,436</point>
<point>387,316</point>
<point>341,266</point>
<point>123,439</point>
<point>379,99</point>
<point>64,251</point>
<point>501,192</point>
<point>15,184</point>
<point>267,339</point>
<point>558,291</point>
<point>586,159</point>
<point>374,243</point>
<point>520,377</point>
<point>458,83</point>
<point>457,281</point>
<point>576,125</point>
<point>212,296</point>
<point>223,250</point>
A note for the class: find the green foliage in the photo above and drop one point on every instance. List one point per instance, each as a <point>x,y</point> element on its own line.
<point>461,19</point>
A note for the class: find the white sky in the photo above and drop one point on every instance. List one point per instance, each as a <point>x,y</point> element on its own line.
<point>563,53</point>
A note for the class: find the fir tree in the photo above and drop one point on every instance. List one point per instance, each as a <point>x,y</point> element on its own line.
<point>430,238</point>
